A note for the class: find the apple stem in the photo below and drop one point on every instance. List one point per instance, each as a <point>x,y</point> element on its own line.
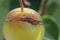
<point>21,5</point>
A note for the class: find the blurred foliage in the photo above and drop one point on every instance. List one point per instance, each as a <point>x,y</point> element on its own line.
<point>51,27</point>
<point>51,19</point>
<point>34,4</point>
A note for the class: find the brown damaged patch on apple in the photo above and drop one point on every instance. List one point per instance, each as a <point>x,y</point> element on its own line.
<point>24,17</point>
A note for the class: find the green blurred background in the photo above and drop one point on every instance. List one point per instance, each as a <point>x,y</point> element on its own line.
<point>51,19</point>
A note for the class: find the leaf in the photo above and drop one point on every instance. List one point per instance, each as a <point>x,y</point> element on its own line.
<point>48,36</point>
<point>52,8</point>
<point>54,11</point>
<point>51,26</point>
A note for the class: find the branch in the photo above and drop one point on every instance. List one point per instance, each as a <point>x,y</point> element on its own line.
<point>44,7</point>
<point>25,3</point>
